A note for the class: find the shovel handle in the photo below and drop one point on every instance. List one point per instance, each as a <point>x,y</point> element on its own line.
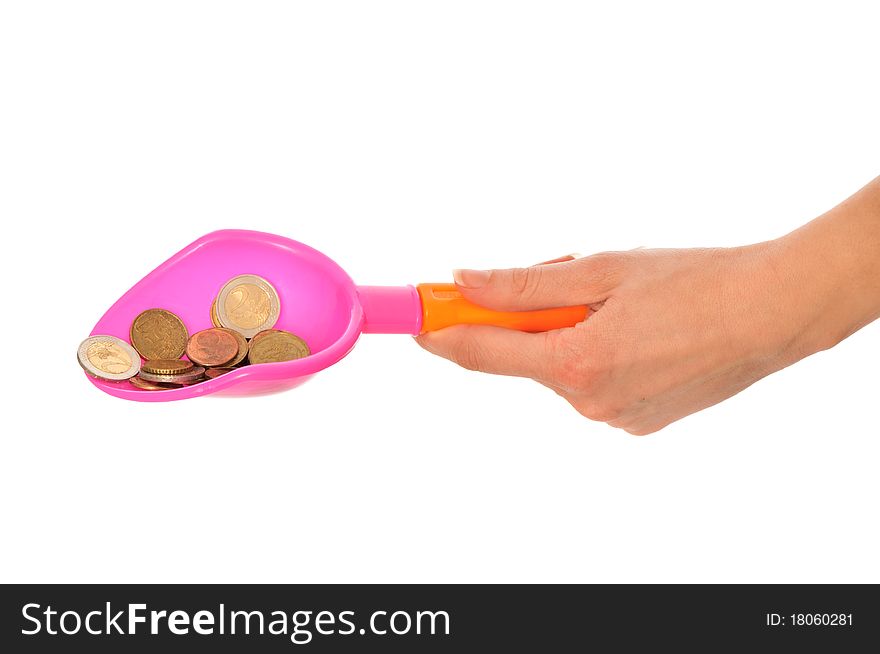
<point>443,305</point>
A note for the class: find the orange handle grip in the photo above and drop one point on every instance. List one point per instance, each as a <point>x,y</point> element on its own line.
<point>443,306</point>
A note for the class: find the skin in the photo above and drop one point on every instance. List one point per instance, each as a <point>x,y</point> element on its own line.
<point>674,331</point>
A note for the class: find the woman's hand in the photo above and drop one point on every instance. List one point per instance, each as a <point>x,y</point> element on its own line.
<point>675,331</point>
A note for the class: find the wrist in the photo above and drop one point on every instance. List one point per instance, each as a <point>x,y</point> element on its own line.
<point>829,273</point>
<point>780,317</point>
<point>804,288</point>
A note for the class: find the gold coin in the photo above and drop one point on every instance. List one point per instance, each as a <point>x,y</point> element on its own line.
<point>242,347</point>
<point>215,320</point>
<point>248,304</point>
<point>260,335</point>
<point>108,357</point>
<point>277,346</point>
<point>158,334</point>
<point>188,377</point>
<point>166,366</point>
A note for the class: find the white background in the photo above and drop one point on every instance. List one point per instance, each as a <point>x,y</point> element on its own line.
<point>405,139</point>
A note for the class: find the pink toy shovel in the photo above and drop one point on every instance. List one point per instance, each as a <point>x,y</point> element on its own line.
<point>319,302</point>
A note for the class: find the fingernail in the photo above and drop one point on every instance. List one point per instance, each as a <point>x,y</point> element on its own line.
<point>563,259</point>
<point>470,278</point>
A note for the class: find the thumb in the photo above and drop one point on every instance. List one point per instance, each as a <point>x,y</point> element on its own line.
<point>582,281</point>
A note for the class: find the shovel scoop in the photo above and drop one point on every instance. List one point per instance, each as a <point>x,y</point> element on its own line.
<point>319,302</point>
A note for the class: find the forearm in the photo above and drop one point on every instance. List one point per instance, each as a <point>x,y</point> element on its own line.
<point>833,264</point>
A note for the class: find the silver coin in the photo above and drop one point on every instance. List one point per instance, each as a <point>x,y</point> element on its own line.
<point>248,304</point>
<point>108,357</point>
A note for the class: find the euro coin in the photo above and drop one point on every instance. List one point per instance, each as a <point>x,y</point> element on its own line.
<point>188,377</point>
<point>147,386</point>
<point>212,373</point>
<point>108,357</point>
<point>242,347</point>
<point>263,333</point>
<point>277,346</point>
<point>158,334</point>
<point>166,366</point>
<point>181,384</point>
<point>248,304</point>
<point>215,320</point>
<point>212,347</point>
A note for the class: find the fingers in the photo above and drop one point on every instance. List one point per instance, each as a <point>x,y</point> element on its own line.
<point>579,281</point>
<point>494,350</point>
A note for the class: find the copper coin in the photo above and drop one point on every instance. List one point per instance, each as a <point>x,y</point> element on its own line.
<point>211,373</point>
<point>166,366</point>
<point>143,384</point>
<point>242,347</point>
<point>212,347</point>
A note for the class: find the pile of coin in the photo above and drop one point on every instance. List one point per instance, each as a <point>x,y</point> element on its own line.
<point>243,313</point>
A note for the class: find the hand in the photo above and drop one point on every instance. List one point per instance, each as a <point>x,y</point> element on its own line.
<point>676,331</point>
<point>673,331</point>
